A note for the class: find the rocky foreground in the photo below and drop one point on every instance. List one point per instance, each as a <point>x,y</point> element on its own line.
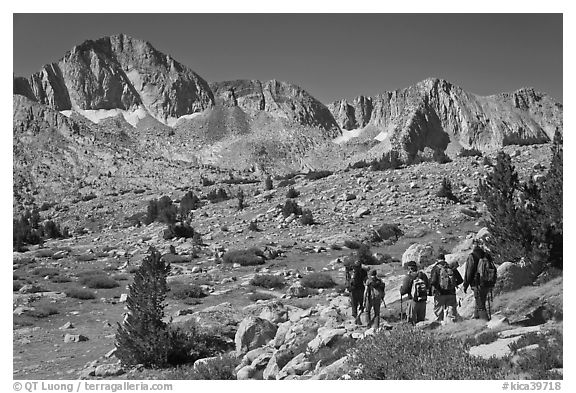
<point>285,333</point>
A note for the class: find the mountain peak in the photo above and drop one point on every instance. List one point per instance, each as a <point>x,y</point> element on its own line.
<point>118,72</point>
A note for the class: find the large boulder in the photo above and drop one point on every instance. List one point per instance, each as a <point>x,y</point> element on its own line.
<point>222,318</point>
<point>512,276</point>
<point>297,366</point>
<point>324,337</point>
<point>422,254</point>
<point>334,370</point>
<point>246,372</point>
<point>274,312</point>
<point>301,333</point>
<point>253,332</point>
<point>280,336</point>
<point>278,360</point>
<point>297,290</point>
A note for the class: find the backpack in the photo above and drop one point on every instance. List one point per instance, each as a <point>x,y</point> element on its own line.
<point>357,276</point>
<point>375,288</point>
<point>446,278</point>
<point>486,273</point>
<point>419,290</point>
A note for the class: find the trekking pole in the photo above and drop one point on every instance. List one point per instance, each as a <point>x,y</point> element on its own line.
<point>489,308</point>
<point>400,307</point>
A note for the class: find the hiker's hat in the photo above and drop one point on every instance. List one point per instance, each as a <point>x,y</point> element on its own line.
<point>441,257</point>
<point>373,273</point>
<point>412,264</point>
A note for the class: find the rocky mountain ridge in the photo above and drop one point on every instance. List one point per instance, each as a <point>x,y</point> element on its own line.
<point>118,106</point>
<point>435,113</point>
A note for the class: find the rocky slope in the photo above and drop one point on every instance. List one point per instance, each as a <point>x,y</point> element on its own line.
<point>435,113</point>
<point>280,99</point>
<point>118,107</point>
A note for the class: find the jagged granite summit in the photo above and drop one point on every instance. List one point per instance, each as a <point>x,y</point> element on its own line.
<point>118,72</point>
<point>435,113</point>
<point>114,108</point>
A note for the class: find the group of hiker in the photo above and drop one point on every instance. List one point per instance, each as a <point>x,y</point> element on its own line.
<point>367,290</point>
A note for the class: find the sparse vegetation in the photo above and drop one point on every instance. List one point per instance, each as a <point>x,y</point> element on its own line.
<point>260,296</point>
<point>307,218</point>
<point>292,193</point>
<point>241,200</point>
<point>472,152</point>
<point>389,160</point>
<point>42,311</point>
<point>268,185</point>
<point>316,175</point>
<point>80,293</point>
<point>365,256</point>
<point>317,280</point>
<point>445,191</point>
<point>181,229</point>
<point>100,281</point>
<point>267,281</point>
<point>188,203</point>
<point>181,291</point>
<point>217,195</point>
<point>385,232</point>
<point>253,226</point>
<point>400,355</point>
<point>248,257</point>
<point>162,210</point>
<point>352,244</point>
<point>291,207</point>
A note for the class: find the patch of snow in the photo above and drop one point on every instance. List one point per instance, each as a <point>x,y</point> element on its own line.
<point>96,115</point>
<point>347,135</point>
<point>172,121</point>
<point>382,136</point>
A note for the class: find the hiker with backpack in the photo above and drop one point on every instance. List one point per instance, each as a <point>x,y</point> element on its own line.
<point>443,282</point>
<point>415,285</point>
<point>481,275</point>
<point>373,296</point>
<point>356,277</point>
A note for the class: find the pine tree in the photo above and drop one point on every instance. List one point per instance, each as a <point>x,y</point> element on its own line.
<point>144,338</point>
<point>510,226</point>
<point>552,206</point>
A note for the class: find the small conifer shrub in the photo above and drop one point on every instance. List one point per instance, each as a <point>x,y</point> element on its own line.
<point>144,338</point>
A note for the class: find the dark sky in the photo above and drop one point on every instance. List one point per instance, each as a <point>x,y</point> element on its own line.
<point>332,56</point>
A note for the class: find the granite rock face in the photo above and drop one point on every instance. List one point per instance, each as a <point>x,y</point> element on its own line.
<point>435,113</point>
<point>118,72</point>
<point>279,99</point>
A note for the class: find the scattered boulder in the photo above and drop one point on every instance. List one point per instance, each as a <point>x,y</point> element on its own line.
<point>108,370</point>
<point>67,325</point>
<point>297,290</point>
<point>278,360</point>
<point>512,276</point>
<point>361,212</point>
<point>333,371</point>
<point>274,312</point>
<point>280,336</point>
<point>324,337</point>
<point>74,338</point>
<point>253,332</point>
<point>422,254</point>
<point>297,366</point>
<point>499,348</point>
<point>246,372</point>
